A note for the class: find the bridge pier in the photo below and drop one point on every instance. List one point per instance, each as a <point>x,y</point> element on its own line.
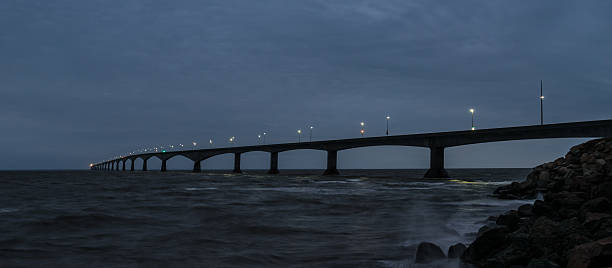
<point>124,164</point>
<point>163,165</point>
<point>197,166</point>
<point>332,157</point>
<point>132,164</point>
<point>117,165</point>
<point>144,164</point>
<point>237,163</point>
<point>273,163</point>
<point>436,163</point>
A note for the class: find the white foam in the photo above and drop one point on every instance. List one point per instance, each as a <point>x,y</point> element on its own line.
<point>200,189</point>
<point>8,210</point>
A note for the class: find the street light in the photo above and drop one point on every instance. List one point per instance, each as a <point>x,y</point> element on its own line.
<point>388,117</point>
<point>194,144</point>
<point>210,142</point>
<point>362,131</point>
<point>299,131</point>
<point>264,138</point>
<point>259,138</point>
<point>541,104</point>
<point>311,127</point>
<point>472,111</point>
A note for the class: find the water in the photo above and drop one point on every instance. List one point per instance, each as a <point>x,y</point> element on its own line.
<point>364,218</point>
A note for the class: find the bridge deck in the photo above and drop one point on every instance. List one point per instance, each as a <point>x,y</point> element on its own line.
<point>435,141</point>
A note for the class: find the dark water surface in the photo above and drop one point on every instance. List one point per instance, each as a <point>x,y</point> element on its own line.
<point>363,218</point>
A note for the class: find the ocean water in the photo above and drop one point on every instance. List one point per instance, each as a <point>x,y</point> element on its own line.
<point>362,218</point>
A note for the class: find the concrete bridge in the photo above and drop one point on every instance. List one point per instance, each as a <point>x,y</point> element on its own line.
<point>436,142</point>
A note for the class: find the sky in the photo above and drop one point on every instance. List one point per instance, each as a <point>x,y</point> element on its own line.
<point>84,81</point>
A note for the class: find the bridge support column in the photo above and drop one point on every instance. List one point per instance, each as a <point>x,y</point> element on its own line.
<point>117,165</point>
<point>237,163</point>
<point>332,157</point>
<point>163,166</point>
<point>132,164</point>
<point>273,163</point>
<point>124,165</point>
<point>197,166</point>
<point>436,163</point>
<point>144,164</point>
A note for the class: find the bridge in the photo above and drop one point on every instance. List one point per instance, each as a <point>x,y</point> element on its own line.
<point>436,142</point>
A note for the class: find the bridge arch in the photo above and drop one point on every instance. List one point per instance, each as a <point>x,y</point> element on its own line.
<point>378,156</point>
<point>540,151</point>
<point>179,162</point>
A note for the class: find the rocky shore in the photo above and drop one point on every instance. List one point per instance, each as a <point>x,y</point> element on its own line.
<point>570,227</point>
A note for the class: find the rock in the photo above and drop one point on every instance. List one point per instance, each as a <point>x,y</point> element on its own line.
<point>600,204</point>
<point>510,219</point>
<point>565,199</point>
<point>542,263</point>
<point>525,210</point>
<point>594,254</point>
<point>591,217</point>
<point>487,243</point>
<point>541,208</point>
<point>456,251</point>
<point>428,252</point>
<point>601,228</point>
<point>603,190</point>
<point>571,226</point>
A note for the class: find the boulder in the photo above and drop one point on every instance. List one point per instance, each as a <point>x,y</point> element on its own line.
<point>594,254</point>
<point>456,251</point>
<point>525,210</point>
<point>487,243</point>
<point>542,263</point>
<point>600,204</point>
<point>510,219</point>
<point>428,252</point>
<point>571,227</point>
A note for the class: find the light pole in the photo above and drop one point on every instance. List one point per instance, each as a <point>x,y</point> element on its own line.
<point>194,144</point>
<point>362,131</point>
<point>264,137</point>
<point>541,104</point>
<point>311,127</point>
<point>210,142</point>
<point>259,138</point>
<point>388,117</point>
<point>472,111</point>
<point>299,131</point>
<point>231,140</point>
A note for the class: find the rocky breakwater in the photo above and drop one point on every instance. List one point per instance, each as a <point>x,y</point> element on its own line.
<point>570,227</point>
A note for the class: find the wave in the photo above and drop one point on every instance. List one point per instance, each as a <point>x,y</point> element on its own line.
<point>8,210</point>
<point>85,220</point>
<point>200,189</point>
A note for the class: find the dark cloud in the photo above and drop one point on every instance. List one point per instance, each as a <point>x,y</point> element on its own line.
<point>86,80</point>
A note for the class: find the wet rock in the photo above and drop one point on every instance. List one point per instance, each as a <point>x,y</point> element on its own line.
<point>541,263</point>
<point>541,208</point>
<point>487,243</point>
<point>600,204</point>
<point>456,250</point>
<point>558,231</point>
<point>510,219</point>
<point>525,210</point>
<point>603,190</point>
<point>594,254</point>
<point>565,199</point>
<point>428,252</point>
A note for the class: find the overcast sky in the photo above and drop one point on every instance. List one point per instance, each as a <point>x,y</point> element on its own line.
<point>85,80</point>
